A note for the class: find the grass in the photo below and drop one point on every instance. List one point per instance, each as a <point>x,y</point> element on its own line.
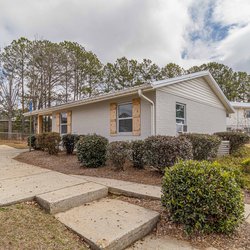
<point>234,162</point>
<point>15,144</point>
<point>27,226</point>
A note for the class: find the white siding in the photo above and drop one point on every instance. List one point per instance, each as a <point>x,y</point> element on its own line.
<point>202,116</point>
<point>95,118</point>
<point>238,120</point>
<point>196,90</point>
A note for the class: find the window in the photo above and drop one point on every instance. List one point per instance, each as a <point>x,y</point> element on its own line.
<point>180,113</point>
<point>125,118</point>
<point>63,123</point>
<point>247,113</point>
<point>47,123</point>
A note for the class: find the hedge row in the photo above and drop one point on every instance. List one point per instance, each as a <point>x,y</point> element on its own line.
<point>236,139</point>
<point>205,147</point>
<point>157,151</point>
<point>46,141</point>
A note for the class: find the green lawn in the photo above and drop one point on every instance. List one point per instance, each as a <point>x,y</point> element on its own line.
<point>27,226</point>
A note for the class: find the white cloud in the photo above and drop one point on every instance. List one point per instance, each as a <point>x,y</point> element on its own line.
<point>137,29</point>
<point>157,29</point>
<point>235,49</point>
<point>228,12</point>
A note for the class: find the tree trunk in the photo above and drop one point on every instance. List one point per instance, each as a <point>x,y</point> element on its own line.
<point>9,128</point>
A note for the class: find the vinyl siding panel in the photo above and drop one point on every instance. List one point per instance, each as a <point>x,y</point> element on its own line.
<point>204,111</point>
<point>197,90</point>
<point>238,120</point>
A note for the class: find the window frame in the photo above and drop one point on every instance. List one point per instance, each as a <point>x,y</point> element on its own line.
<point>185,113</point>
<point>63,124</point>
<point>125,118</point>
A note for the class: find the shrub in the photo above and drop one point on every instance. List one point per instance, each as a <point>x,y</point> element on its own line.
<point>236,139</point>
<point>241,152</point>
<point>205,147</point>
<point>40,141</point>
<point>137,148</point>
<point>203,196</point>
<point>31,140</point>
<point>69,142</point>
<point>91,150</point>
<point>118,153</point>
<point>246,166</point>
<point>164,151</point>
<point>51,141</point>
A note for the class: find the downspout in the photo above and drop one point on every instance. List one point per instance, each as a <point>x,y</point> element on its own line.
<point>152,110</point>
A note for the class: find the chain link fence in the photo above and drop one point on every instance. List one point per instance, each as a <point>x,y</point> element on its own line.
<point>15,137</point>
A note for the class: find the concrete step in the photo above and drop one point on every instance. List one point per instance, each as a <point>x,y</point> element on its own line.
<point>126,188</point>
<point>69,197</point>
<point>247,213</point>
<point>25,188</point>
<point>109,224</point>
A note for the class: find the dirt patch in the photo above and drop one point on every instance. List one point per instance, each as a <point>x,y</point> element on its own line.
<point>14,144</point>
<point>27,226</point>
<point>68,164</point>
<point>238,240</point>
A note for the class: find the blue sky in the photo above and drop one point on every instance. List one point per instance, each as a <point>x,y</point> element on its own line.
<point>187,32</point>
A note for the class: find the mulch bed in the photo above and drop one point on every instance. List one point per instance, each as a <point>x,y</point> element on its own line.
<point>238,240</point>
<point>68,164</point>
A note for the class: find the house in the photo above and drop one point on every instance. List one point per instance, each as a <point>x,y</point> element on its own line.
<point>189,103</point>
<point>240,120</point>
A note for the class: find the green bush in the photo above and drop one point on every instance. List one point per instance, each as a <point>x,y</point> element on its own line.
<point>91,150</point>
<point>236,139</point>
<point>205,147</point>
<point>51,142</point>
<point>203,196</point>
<point>31,140</point>
<point>118,153</point>
<point>246,166</point>
<point>164,151</point>
<point>40,141</point>
<point>241,152</point>
<point>137,148</point>
<point>69,142</point>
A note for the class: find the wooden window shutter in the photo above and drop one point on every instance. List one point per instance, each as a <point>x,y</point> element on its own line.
<point>136,113</point>
<point>69,122</point>
<point>39,124</point>
<point>113,119</point>
<point>57,128</point>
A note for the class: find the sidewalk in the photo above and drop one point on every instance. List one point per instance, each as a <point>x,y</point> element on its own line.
<point>136,190</point>
<point>126,188</point>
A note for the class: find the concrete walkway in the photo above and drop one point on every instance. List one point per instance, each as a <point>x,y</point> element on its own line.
<point>127,188</point>
<point>81,204</point>
<point>22,182</point>
<point>136,190</point>
<point>70,198</point>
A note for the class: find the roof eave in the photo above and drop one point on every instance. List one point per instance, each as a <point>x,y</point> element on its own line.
<point>214,85</point>
<point>210,80</point>
<point>95,99</point>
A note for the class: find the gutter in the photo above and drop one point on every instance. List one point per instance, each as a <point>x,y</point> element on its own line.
<point>89,100</point>
<point>152,110</point>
